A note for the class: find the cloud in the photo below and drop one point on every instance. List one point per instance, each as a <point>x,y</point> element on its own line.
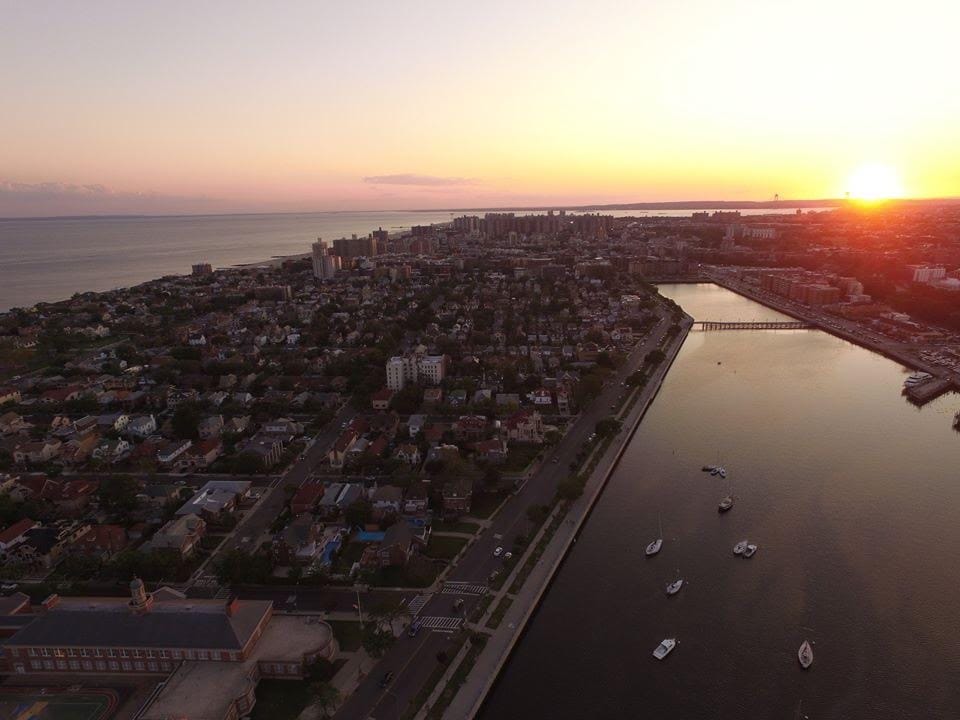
<point>414,179</point>
<point>42,199</point>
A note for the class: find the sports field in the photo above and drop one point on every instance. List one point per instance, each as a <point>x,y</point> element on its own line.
<point>54,704</point>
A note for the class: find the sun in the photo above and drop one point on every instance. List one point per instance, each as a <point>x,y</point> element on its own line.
<point>874,181</point>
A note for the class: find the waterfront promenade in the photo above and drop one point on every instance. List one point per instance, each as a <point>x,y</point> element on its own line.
<point>467,702</point>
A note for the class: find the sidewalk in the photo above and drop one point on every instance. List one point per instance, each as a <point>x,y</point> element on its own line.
<point>467,701</point>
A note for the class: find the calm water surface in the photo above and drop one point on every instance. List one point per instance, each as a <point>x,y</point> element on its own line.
<point>851,493</point>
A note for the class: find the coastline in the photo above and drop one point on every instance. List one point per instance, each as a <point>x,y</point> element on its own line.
<point>881,348</point>
<point>469,699</point>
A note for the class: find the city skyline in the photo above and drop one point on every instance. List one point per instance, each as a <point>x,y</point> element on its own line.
<point>120,109</point>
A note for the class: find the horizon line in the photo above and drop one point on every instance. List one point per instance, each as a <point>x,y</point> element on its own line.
<point>642,205</point>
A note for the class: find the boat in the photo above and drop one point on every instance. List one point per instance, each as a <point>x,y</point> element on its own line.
<point>956,421</point>
<point>715,471</point>
<point>805,655</point>
<point>665,648</point>
<point>674,587</point>
<point>722,472</point>
<point>750,550</point>
<point>916,379</point>
<point>654,547</point>
<point>725,504</point>
<point>740,547</point>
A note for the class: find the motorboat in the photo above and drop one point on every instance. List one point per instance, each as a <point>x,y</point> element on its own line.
<point>725,504</point>
<point>674,587</point>
<point>916,379</point>
<point>722,472</point>
<point>715,471</point>
<point>750,550</point>
<point>805,655</point>
<point>665,648</point>
<point>739,548</point>
<point>654,547</point>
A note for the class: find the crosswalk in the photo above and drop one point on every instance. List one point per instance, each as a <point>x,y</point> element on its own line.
<point>464,588</point>
<point>443,624</point>
<point>416,605</point>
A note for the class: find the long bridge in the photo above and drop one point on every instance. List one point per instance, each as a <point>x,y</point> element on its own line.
<point>764,325</point>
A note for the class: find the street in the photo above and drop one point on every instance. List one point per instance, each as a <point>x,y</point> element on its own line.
<point>413,660</point>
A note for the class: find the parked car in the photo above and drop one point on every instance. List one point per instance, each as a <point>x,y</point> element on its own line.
<point>385,680</point>
<point>498,552</point>
<point>414,628</point>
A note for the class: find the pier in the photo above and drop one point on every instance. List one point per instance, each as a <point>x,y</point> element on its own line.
<point>925,392</point>
<point>767,325</point>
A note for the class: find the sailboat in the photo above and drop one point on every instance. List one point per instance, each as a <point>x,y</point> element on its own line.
<point>805,655</point>
<point>674,587</point>
<point>654,547</point>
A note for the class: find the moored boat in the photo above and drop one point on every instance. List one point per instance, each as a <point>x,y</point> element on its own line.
<point>740,547</point>
<point>674,587</point>
<point>805,655</point>
<point>654,547</point>
<point>750,550</point>
<point>665,648</point>
<point>725,504</point>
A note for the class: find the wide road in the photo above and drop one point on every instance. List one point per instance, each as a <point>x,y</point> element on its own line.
<point>412,660</point>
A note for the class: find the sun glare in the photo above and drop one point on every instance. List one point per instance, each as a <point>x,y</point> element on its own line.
<point>874,182</point>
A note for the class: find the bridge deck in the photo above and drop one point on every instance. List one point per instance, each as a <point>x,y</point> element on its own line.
<point>763,325</point>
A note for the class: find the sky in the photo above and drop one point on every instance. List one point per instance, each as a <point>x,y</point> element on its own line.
<point>138,107</point>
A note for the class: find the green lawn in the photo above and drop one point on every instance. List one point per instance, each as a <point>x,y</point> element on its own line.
<point>444,548</point>
<point>483,504</point>
<point>497,615</point>
<point>520,456</point>
<point>458,527</point>
<point>347,633</point>
<point>55,706</point>
<point>281,699</point>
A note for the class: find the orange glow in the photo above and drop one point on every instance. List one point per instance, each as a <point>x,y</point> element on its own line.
<point>873,182</point>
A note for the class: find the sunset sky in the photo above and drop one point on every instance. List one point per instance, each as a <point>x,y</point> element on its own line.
<point>222,106</point>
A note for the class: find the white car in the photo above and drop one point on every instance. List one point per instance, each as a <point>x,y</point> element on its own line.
<point>508,556</point>
<point>498,552</point>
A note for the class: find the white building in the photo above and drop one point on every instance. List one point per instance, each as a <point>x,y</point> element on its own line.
<point>325,265</point>
<point>403,369</point>
<point>926,273</point>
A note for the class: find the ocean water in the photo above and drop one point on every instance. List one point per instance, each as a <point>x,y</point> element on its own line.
<point>45,260</point>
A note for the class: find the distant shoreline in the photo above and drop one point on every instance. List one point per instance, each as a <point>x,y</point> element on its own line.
<point>663,205</point>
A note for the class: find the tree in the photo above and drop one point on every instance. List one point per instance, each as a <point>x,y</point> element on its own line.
<point>359,512</point>
<point>239,567</point>
<point>654,357</point>
<point>571,488</point>
<point>375,640</point>
<point>185,420</point>
<point>607,427</point>
<point>326,697</point>
<point>119,494</point>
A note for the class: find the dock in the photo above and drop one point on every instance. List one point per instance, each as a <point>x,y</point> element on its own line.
<point>925,392</point>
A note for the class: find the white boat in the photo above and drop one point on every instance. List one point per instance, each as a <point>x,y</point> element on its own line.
<point>740,547</point>
<point>722,472</point>
<point>750,550</point>
<point>674,587</point>
<point>715,471</point>
<point>916,379</point>
<point>805,655</point>
<point>654,547</point>
<point>725,504</point>
<point>664,648</point>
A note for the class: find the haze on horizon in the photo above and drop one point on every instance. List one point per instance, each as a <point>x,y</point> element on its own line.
<point>118,107</point>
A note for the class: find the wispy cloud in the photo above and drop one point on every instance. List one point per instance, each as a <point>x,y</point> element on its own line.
<point>414,179</point>
<point>18,199</point>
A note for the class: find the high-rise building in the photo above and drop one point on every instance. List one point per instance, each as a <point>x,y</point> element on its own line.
<point>325,265</point>
<point>403,369</point>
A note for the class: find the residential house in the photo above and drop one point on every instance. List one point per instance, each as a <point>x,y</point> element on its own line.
<point>408,453</point>
<point>398,545</point>
<point>216,497</point>
<point>456,496</point>
<point>307,496</point>
<point>386,500</point>
<point>142,426</point>
<point>380,400</point>
<point>181,535</point>
<point>525,426</point>
<point>102,541</point>
<point>16,533</point>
